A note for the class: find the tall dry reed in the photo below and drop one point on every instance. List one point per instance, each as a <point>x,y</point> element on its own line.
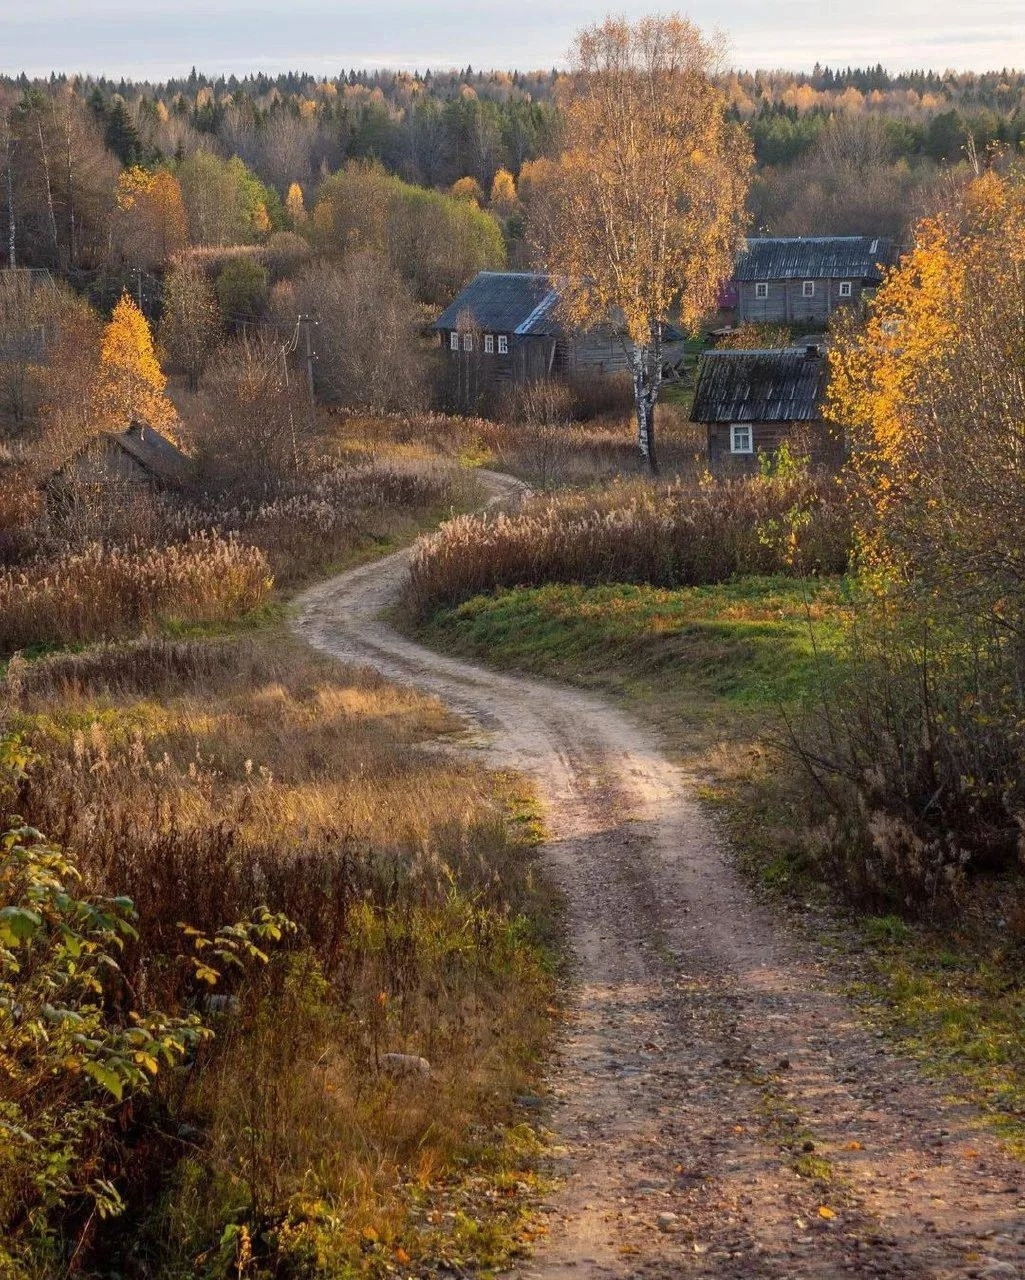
<point>102,592</point>
<point>669,535</point>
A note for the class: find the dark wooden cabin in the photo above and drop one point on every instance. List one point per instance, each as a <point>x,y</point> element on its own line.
<point>803,279</point>
<point>751,401</point>
<point>505,327</point>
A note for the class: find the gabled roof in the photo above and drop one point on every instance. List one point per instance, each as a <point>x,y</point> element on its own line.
<point>154,452</point>
<point>814,258</point>
<point>783,385</point>
<point>519,302</point>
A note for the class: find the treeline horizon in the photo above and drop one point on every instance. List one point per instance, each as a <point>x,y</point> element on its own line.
<point>838,151</point>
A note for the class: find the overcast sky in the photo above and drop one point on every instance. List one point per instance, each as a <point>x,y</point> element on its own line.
<point>156,38</point>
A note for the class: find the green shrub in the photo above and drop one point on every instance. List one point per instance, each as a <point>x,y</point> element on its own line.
<point>73,1053</point>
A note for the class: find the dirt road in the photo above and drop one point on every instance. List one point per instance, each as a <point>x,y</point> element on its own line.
<point>720,1110</point>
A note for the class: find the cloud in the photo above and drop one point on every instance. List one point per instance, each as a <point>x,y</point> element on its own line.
<point>162,37</point>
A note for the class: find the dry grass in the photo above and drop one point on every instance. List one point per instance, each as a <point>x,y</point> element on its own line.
<point>206,778</point>
<point>596,450</point>
<point>669,535</point>
<point>103,591</point>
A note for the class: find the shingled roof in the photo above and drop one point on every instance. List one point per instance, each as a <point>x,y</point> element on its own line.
<point>154,452</point>
<point>519,302</point>
<point>815,258</point>
<point>783,385</point>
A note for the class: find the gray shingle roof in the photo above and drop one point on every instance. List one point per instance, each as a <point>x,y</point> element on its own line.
<point>783,385</point>
<point>815,258</point>
<point>518,302</point>
<point>162,459</point>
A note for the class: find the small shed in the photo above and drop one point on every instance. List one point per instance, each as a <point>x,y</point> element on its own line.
<point>751,401</point>
<point>140,457</point>
<point>804,279</point>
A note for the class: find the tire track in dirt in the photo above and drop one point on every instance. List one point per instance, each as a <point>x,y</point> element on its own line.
<point>705,1054</point>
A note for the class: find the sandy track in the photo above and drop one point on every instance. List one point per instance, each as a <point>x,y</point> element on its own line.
<point>705,1051</point>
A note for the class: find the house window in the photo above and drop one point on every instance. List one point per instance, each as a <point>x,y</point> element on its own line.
<point>467,341</point>
<point>489,344</point>
<point>740,440</point>
<point>453,340</point>
<point>503,344</point>
<point>845,288</point>
<point>809,288</point>
<point>761,290</point>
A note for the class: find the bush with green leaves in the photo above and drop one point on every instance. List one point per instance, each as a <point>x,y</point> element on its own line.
<point>72,1051</point>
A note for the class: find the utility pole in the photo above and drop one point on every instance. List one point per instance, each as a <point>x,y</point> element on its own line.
<point>307,322</point>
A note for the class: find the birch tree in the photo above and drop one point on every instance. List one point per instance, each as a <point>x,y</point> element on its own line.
<point>643,207</point>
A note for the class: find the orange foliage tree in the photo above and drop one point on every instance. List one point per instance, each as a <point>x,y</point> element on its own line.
<point>295,206</point>
<point>468,189</point>
<point>503,192</point>
<point>130,385</point>
<point>932,392</point>
<point>646,201</point>
<point>152,215</point>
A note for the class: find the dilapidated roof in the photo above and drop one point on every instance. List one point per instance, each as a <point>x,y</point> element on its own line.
<point>519,302</point>
<point>154,452</point>
<point>815,258</point>
<point>781,385</point>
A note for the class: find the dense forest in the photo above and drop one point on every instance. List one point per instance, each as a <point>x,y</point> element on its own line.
<point>837,150</point>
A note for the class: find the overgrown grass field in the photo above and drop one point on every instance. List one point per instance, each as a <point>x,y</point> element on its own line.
<point>206,779</point>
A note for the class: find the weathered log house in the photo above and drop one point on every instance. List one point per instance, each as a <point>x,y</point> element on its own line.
<point>137,458</point>
<point>505,326</point>
<point>802,280</point>
<point>751,401</point>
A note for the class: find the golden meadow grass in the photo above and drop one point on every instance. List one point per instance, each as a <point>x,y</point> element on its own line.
<point>116,591</point>
<point>204,778</point>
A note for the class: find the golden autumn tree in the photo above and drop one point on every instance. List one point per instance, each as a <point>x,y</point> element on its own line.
<point>468,189</point>
<point>130,385</point>
<point>642,210</point>
<point>932,393</point>
<point>503,192</point>
<point>152,216</point>
<point>295,206</point>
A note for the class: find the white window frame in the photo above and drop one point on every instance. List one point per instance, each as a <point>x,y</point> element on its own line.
<point>742,438</point>
<point>489,344</point>
<point>453,340</point>
<point>846,290</point>
<point>808,289</point>
<point>467,341</point>
<point>762,291</point>
<point>503,344</point>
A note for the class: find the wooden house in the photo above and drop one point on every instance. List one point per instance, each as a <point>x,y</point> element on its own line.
<point>138,458</point>
<point>505,326</point>
<point>802,280</point>
<point>751,401</point>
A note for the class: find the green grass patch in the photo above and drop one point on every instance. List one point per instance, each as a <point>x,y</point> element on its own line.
<point>753,643</point>
<point>958,1006</point>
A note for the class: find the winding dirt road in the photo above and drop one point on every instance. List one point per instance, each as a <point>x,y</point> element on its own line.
<point>706,1055</point>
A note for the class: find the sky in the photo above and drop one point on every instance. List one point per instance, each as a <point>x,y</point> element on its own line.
<point>154,39</point>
